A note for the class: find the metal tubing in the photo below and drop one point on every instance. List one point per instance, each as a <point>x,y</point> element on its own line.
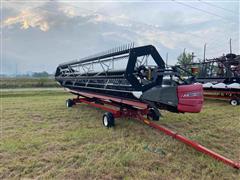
<point>230,92</point>
<point>217,96</point>
<point>88,59</point>
<point>113,111</point>
<point>193,144</point>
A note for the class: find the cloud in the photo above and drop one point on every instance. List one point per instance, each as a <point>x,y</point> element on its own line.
<point>27,19</point>
<point>49,15</point>
<point>68,10</point>
<point>42,17</point>
<point>57,32</point>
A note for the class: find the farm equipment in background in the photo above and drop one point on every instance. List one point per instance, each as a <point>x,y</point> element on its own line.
<point>134,82</point>
<point>220,77</point>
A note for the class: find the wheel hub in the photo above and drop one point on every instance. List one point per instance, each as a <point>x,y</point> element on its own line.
<point>105,121</point>
<point>234,102</point>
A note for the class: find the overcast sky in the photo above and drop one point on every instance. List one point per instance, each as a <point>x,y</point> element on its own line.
<point>38,35</point>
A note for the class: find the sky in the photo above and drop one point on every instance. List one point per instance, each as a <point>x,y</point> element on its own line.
<point>39,35</point>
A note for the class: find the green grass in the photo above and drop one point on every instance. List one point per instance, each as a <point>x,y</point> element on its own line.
<point>27,82</point>
<point>41,138</point>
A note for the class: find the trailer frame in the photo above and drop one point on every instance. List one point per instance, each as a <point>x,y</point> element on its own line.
<point>139,112</point>
<point>225,94</point>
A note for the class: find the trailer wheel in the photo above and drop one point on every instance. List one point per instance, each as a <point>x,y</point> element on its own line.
<point>108,120</point>
<point>152,115</point>
<point>234,102</point>
<point>69,103</point>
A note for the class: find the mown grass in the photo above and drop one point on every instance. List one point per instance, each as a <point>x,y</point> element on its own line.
<point>27,82</point>
<point>41,138</point>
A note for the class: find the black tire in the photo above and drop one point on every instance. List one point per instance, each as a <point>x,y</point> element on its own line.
<point>231,56</point>
<point>152,115</point>
<point>69,103</point>
<point>234,102</point>
<point>108,120</point>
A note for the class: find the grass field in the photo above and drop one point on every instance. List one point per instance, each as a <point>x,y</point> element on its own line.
<point>41,138</point>
<point>27,82</point>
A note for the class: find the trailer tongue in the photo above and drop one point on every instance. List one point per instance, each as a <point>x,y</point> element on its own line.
<point>133,82</point>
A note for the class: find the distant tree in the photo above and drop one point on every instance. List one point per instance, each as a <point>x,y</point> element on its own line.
<point>40,74</point>
<point>184,59</point>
